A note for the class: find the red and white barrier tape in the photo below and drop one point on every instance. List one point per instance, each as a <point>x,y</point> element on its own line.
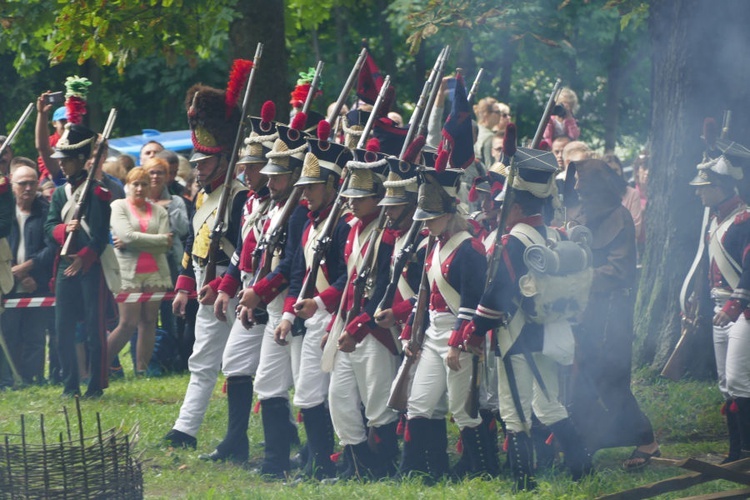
<point>128,298</point>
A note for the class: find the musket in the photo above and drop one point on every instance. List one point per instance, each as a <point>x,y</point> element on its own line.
<point>475,86</point>
<point>220,224</point>
<point>694,281</point>
<point>402,385</point>
<point>545,116</point>
<point>334,114</point>
<point>79,212</point>
<point>16,128</point>
<point>313,87</point>
<point>367,262</point>
<point>320,248</point>
<point>427,89</point>
<point>399,263</point>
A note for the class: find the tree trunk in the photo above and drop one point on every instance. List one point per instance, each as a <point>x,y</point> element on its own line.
<point>700,67</point>
<point>510,55</point>
<point>263,21</point>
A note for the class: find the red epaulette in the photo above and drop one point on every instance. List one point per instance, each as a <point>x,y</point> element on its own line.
<point>476,229</point>
<point>505,238</point>
<point>478,246</point>
<point>103,193</point>
<point>4,184</point>
<point>742,217</point>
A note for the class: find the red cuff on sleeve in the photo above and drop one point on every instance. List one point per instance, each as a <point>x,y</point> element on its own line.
<point>59,234</point>
<point>267,289</point>
<point>456,340</point>
<point>331,298</point>
<point>470,336</point>
<point>733,309</point>
<point>214,284</point>
<point>88,256</point>
<point>185,283</point>
<point>289,304</point>
<point>358,328</point>
<point>229,285</point>
<point>402,310</point>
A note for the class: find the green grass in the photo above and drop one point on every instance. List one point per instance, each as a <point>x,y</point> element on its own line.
<point>685,416</point>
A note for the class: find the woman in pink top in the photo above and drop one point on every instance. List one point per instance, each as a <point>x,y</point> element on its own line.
<point>141,235</point>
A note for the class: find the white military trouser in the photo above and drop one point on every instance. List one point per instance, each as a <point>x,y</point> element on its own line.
<point>204,364</point>
<point>732,352</point>
<point>361,377</point>
<point>242,352</point>
<point>433,378</point>
<point>548,409</point>
<point>275,375</point>
<point>311,383</point>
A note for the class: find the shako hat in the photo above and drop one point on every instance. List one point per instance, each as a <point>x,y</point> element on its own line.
<point>213,114</point>
<point>324,159</point>
<point>262,136</point>
<point>401,186</point>
<point>492,184</point>
<point>75,142</point>
<point>437,194</point>
<point>289,149</point>
<point>535,173</point>
<point>366,172</point>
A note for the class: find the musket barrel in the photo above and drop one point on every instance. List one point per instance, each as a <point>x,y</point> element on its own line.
<point>16,128</point>
<point>545,116</point>
<point>313,87</point>
<point>475,86</point>
<point>347,86</point>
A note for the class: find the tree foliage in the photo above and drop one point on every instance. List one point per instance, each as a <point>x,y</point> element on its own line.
<point>112,31</point>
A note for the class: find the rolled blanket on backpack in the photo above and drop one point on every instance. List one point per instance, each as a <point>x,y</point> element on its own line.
<point>564,258</point>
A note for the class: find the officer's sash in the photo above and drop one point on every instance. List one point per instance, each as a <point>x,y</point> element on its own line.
<point>436,275</point>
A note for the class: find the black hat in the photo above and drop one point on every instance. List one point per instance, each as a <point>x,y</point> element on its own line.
<point>75,142</point>
<point>535,173</point>
<point>213,114</point>
<point>324,159</point>
<point>366,174</point>
<point>401,185</point>
<point>437,194</point>
<point>289,149</point>
<point>261,138</point>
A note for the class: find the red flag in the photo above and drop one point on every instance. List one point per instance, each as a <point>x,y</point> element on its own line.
<point>370,81</point>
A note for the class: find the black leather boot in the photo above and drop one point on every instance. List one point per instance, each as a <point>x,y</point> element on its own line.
<point>743,423</point>
<point>521,455</point>
<point>733,427</point>
<point>275,416</point>
<point>544,452</point>
<point>577,458</point>
<point>319,431</point>
<point>414,456</point>
<point>383,443</point>
<point>437,449</point>
<point>235,445</point>
<point>479,451</point>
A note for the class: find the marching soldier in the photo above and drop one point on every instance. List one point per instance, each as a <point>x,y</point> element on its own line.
<point>453,267</point>
<point>527,377</point>
<point>80,288</point>
<point>213,126</point>
<point>729,276</point>
<point>242,351</point>
<point>319,181</point>
<point>275,375</point>
<point>366,363</point>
